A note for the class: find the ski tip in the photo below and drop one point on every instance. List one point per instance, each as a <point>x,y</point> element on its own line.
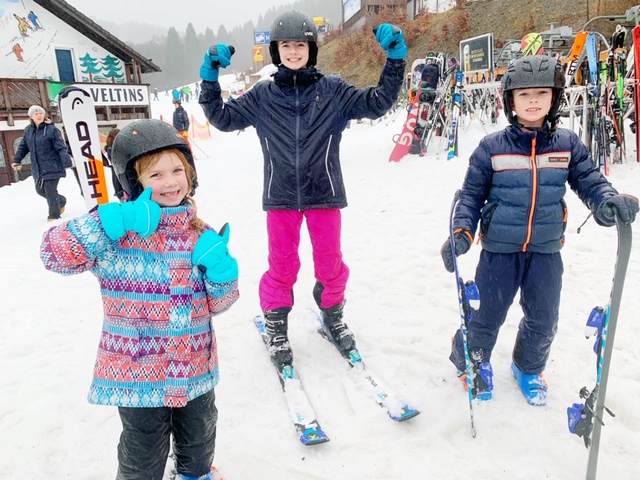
<point>406,414</point>
<point>313,436</point>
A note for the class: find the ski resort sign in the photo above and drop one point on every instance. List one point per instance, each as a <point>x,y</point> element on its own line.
<point>476,54</point>
<point>105,94</point>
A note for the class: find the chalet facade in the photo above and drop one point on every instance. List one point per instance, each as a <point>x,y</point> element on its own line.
<point>46,45</point>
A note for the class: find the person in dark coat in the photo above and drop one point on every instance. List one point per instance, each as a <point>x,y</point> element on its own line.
<point>117,187</point>
<point>299,117</point>
<point>514,188</point>
<point>180,119</point>
<point>49,158</point>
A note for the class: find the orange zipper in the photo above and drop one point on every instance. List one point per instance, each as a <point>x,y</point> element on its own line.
<point>534,194</point>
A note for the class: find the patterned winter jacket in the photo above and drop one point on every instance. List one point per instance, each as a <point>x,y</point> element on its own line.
<point>515,187</point>
<point>158,346</point>
<point>299,118</point>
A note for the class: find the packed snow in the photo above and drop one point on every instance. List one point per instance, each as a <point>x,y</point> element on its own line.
<point>402,306</point>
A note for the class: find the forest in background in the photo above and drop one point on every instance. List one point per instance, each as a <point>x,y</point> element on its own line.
<point>179,52</point>
<point>356,55</point>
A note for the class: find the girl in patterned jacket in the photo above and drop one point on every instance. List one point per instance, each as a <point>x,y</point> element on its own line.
<point>163,275</point>
<point>514,188</point>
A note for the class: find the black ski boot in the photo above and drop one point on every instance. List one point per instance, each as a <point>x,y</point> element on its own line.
<point>275,322</point>
<point>339,331</point>
<point>331,317</point>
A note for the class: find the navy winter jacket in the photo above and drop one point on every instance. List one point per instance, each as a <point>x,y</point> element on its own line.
<point>49,155</point>
<point>515,187</point>
<point>299,117</point>
<point>180,119</point>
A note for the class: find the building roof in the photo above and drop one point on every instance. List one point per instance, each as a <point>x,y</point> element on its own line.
<point>95,32</point>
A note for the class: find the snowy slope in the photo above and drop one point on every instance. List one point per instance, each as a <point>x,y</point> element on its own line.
<point>402,306</point>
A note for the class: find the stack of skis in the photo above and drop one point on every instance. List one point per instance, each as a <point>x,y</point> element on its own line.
<point>435,104</point>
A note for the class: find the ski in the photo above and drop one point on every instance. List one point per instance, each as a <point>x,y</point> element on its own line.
<point>434,112</point>
<point>576,56</point>
<point>468,300</point>
<point>531,44</point>
<point>452,147</point>
<point>79,120</point>
<point>585,419</point>
<point>636,88</point>
<point>397,410</point>
<point>302,413</point>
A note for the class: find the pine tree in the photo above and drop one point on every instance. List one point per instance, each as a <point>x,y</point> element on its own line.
<point>194,52</point>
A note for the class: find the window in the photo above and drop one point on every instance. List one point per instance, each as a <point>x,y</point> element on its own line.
<point>65,66</point>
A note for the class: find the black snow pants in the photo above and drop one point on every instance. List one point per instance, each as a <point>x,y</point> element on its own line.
<point>144,442</point>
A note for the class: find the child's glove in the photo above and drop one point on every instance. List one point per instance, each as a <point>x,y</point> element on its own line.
<point>212,256</point>
<point>140,216</point>
<point>217,56</point>
<point>625,206</point>
<point>391,39</point>
<point>462,241</point>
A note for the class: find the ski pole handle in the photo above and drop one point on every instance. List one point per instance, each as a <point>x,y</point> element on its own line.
<point>394,30</point>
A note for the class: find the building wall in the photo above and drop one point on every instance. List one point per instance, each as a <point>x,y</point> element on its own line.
<point>30,36</point>
<point>356,13</point>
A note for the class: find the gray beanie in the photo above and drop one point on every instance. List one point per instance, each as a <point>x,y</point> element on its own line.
<point>35,108</point>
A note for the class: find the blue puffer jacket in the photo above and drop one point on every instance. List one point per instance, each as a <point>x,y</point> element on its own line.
<point>299,117</point>
<point>515,187</point>
<point>49,155</point>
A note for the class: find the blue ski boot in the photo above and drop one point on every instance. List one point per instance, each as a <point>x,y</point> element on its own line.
<point>533,386</point>
<point>482,380</point>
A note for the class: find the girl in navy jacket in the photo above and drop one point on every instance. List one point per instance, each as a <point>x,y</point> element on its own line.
<point>299,117</point>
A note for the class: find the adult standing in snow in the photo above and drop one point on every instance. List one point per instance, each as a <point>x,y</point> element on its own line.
<point>514,187</point>
<point>49,158</point>
<point>180,119</point>
<point>164,274</point>
<point>299,117</point>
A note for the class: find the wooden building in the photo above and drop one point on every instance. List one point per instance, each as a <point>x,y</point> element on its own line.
<point>46,45</point>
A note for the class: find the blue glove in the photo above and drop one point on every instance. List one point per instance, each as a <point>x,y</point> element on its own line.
<point>217,56</point>
<point>140,216</point>
<point>212,256</point>
<point>391,39</point>
<point>462,241</point>
<point>624,206</point>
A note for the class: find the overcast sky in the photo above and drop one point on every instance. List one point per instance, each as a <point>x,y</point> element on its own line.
<point>167,13</point>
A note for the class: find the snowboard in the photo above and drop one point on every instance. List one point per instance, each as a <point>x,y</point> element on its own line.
<point>531,44</point>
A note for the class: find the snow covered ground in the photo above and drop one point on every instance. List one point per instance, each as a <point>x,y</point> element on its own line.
<point>402,306</point>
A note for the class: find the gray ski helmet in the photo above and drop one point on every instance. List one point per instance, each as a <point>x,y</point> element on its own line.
<point>297,26</point>
<point>533,71</point>
<point>139,138</point>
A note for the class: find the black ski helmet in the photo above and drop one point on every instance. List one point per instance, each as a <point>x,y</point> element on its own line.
<point>295,26</point>
<point>533,71</point>
<point>142,137</point>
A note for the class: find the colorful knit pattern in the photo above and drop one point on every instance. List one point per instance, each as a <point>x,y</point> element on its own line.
<point>158,347</point>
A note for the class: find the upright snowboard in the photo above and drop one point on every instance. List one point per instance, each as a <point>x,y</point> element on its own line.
<point>79,119</point>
